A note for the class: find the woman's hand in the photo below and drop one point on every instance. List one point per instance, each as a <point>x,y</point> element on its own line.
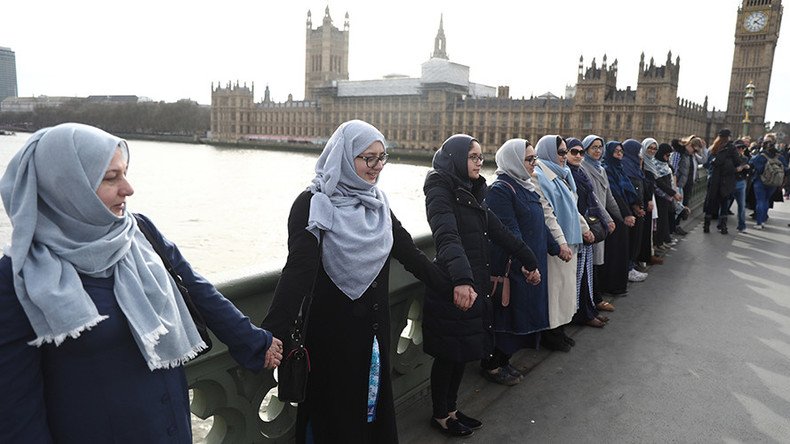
<point>464,296</point>
<point>650,206</point>
<point>565,252</point>
<point>533,277</point>
<point>612,226</point>
<point>588,237</point>
<point>678,197</point>
<point>630,221</point>
<point>274,354</point>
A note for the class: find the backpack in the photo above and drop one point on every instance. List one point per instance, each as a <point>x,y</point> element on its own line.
<point>774,173</point>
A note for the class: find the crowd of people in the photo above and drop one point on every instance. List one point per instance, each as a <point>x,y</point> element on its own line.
<point>90,304</point>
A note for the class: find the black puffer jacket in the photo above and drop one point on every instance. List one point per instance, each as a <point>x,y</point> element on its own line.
<point>462,227</point>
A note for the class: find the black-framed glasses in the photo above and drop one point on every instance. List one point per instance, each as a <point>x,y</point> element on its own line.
<point>576,152</point>
<point>476,158</point>
<point>531,159</point>
<point>562,153</point>
<point>618,150</point>
<point>372,161</point>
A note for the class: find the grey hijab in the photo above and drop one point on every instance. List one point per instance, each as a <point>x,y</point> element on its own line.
<point>62,229</point>
<point>353,213</point>
<point>510,161</point>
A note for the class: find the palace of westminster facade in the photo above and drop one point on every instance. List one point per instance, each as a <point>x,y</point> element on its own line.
<point>419,113</point>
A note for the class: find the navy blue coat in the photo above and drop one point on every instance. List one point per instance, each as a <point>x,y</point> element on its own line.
<point>521,213</point>
<point>97,388</point>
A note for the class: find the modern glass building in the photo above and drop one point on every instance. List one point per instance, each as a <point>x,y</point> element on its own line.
<point>8,86</point>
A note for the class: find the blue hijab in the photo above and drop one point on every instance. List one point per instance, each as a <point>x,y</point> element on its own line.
<point>353,214</point>
<point>619,183</point>
<point>560,191</point>
<point>631,156</point>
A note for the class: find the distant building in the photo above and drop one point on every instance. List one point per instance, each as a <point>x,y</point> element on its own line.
<point>419,113</point>
<point>28,104</point>
<point>8,85</point>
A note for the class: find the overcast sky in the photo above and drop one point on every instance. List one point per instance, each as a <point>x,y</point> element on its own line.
<point>173,49</point>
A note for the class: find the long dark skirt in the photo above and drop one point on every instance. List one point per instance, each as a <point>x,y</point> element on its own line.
<point>613,273</point>
<point>635,234</point>
<point>645,238</point>
<point>664,222</point>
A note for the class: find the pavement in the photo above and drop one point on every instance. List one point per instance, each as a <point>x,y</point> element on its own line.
<point>698,352</point>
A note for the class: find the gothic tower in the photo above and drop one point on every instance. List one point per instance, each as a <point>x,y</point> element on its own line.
<point>326,54</point>
<point>756,34</point>
<point>440,42</point>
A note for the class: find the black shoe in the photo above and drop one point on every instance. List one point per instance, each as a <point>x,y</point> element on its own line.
<point>502,377</point>
<point>723,230</point>
<point>513,371</point>
<point>471,423</point>
<point>553,342</point>
<point>454,427</point>
<point>568,340</point>
<point>680,231</point>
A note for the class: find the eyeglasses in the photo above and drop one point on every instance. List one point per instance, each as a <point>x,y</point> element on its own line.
<point>576,152</point>
<point>476,158</point>
<point>561,153</point>
<point>618,150</point>
<point>596,147</point>
<point>531,159</point>
<point>652,148</point>
<point>372,161</point>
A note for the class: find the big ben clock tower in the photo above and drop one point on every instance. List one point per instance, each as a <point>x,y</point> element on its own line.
<point>756,34</point>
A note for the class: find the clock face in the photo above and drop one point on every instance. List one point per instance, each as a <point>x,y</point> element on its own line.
<point>755,21</point>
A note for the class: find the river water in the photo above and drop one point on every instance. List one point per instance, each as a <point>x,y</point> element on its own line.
<point>227,208</point>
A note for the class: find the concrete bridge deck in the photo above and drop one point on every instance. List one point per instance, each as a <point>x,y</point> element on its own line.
<point>699,352</point>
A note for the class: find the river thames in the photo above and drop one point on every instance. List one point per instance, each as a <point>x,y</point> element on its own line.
<point>227,208</point>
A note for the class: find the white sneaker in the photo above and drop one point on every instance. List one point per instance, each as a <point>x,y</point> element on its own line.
<point>759,227</point>
<point>636,276</point>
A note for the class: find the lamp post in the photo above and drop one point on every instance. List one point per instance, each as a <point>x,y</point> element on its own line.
<point>748,103</point>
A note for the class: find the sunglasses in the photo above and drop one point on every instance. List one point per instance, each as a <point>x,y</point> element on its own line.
<point>562,153</point>
<point>531,159</point>
<point>576,152</point>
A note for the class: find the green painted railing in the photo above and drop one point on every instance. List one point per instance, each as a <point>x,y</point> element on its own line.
<point>244,406</point>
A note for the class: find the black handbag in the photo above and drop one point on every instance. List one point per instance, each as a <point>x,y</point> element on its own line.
<point>295,366</point>
<point>197,317</point>
<point>597,227</point>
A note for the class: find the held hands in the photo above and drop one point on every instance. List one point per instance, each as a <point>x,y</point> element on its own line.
<point>678,197</point>
<point>274,354</point>
<point>533,277</point>
<point>565,252</point>
<point>630,221</point>
<point>588,237</point>
<point>464,296</point>
<point>612,226</point>
<point>650,206</point>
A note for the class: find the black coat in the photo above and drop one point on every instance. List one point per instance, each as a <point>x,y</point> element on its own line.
<point>462,226</point>
<point>340,335</point>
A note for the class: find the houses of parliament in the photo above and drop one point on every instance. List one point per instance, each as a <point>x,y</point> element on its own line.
<point>419,113</point>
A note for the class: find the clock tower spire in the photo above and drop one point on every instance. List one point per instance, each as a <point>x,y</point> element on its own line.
<point>756,34</point>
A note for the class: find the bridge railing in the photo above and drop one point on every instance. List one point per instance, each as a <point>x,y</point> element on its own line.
<point>244,406</point>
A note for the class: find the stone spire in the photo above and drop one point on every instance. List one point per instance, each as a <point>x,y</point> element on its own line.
<point>440,43</point>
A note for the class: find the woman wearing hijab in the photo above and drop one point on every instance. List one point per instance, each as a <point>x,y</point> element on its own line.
<point>587,204</point>
<point>556,184</point>
<point>591,164</point>
<point>614,271</point>
<point>458,328</point>
<point>657,170</point>
<point>341,237</point>
<point>641,234</point>
<point>94,331</point>
<point>521,310</point>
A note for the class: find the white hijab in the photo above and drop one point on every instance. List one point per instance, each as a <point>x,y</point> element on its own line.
<point>510,160</point>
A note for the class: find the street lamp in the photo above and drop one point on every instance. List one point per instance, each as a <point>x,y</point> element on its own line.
<point>748,103</point>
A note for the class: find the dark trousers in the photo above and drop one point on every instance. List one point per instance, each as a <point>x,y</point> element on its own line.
<point>445,380</point>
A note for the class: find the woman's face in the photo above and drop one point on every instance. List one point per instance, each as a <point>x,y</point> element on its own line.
<point>651,150</point>
<point>575,156</point>
<point>474,160</point>
<point>618,152</point>
<point>370,162</point>
<point>562,151</point>
<point>595,150</point>
<point>529,159</point>
<point>114,187</point>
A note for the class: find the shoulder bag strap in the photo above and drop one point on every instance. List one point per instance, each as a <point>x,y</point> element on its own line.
<point>300,323</point>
